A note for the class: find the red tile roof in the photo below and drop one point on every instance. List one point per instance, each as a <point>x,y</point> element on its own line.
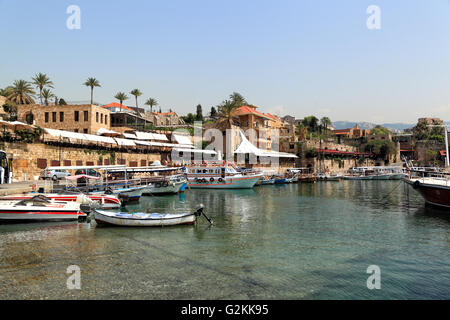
<point>116,105</point>
<point>248,110</point>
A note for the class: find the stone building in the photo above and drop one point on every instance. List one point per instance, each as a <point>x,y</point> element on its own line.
<point>86,118</point>
<point>161,119</point>
<point>3,114</point>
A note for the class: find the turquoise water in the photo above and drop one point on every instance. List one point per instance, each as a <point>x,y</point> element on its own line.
<point>297,241</point>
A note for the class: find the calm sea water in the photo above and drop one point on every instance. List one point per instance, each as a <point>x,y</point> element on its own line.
<point>298,241</point>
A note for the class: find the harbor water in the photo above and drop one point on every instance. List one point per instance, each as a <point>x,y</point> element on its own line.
<point>294,241</point>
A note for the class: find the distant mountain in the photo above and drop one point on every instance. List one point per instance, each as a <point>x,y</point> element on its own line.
<point>396,127</point>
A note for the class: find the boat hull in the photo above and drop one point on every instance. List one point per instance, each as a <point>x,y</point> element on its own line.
<point>106,201</point>
<point>382,177</point>
<point>435,195</point>
<point>143,220</point>
<point>229,183</point>
<point>357,177</point>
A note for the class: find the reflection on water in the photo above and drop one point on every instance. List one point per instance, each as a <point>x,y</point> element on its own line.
<point>273,242</point>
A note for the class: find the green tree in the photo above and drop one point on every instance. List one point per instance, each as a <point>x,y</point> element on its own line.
<point>92,82</point>
<point>41,81</point>
<point>151,102</point>
<point>62,102</point>
<point>379,131</point>
<point>47,94</point>
<point>213,113</point>
<point>189,118</point>
<point>136,93</point>
<point>380,147</point>
<point>312,123</point>
<point>21,92</point>
<point>199,113</point>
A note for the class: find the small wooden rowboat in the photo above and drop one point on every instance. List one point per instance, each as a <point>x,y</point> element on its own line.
<point>140,219</point>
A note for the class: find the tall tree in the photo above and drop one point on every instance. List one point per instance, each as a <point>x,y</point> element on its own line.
<point>213,113</point>
<point>92,82</point>
<point>151,102</point>
<point>121,97</point>
<point>47,94</point>
<point>325,122</point>
<point>226,110</point>
<point>41,81</point>
<point>199,113</point>
<point>136,93</point>
<point>21,92</point>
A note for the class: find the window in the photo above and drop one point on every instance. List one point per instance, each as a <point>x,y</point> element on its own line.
<point>61,117</point>
<point>86,116</point>
<point>76,130</point>
<point>85,130</point>
<point>46,117</point>
<point>77,116</point>
<point>106,119</point>
<point>101,118</point>
<point>54,116</point>
<point>96,117</point>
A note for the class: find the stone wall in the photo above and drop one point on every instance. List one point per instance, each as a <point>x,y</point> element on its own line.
<point>421,148</point>
<point>29,159</point>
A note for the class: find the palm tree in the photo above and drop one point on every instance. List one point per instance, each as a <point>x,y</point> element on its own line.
<point>136,93</point>
<point>325,122</point>
<point>21,92</point>
<point>151,103</point>
<point>47,94</point>
<point>237,99</point>
<point>41,81</point>
<point>92,82</point>
<point>225,114</point>
<point>121,97</point>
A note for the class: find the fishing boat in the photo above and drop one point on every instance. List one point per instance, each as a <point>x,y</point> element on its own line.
<point>140,219</point>
<point>329,177</point>
<point>39,208</point>
<point>267,181</point>
<point>104,200</point>
<point>219,175</point>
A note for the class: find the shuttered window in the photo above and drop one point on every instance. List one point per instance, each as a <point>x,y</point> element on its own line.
<point>42,163</point>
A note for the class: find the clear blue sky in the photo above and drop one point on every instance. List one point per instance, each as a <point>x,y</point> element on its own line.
<point>291,57</point>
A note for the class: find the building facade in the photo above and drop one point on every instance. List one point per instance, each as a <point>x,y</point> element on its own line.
<point>77,118</point>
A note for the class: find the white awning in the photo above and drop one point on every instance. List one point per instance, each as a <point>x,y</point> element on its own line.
<point>94,138</point>
<point>129,135</point>
<point>151,136</point>
<point>125,142</point>
<point>104,131</point>
<point>159,136</point>
<point>182,139</point>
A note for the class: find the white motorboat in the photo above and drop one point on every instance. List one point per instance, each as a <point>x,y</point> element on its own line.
<point>105,201</point>
<point>39,208</point>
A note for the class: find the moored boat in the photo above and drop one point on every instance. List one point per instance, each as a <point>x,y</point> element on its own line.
<point>219,175</point>
<point>105,201</point>
<point>126,219</point>
<point>39,208</point>
<point>434,187</point>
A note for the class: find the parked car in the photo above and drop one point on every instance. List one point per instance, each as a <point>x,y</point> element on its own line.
<point>54,174</point>
<point>89,172</point>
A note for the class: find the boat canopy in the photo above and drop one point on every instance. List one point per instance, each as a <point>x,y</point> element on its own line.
<point>206,151</point>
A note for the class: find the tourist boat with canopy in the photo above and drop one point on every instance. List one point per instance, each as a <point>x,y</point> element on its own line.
<point>219,175</point>
<point>40,208</point>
